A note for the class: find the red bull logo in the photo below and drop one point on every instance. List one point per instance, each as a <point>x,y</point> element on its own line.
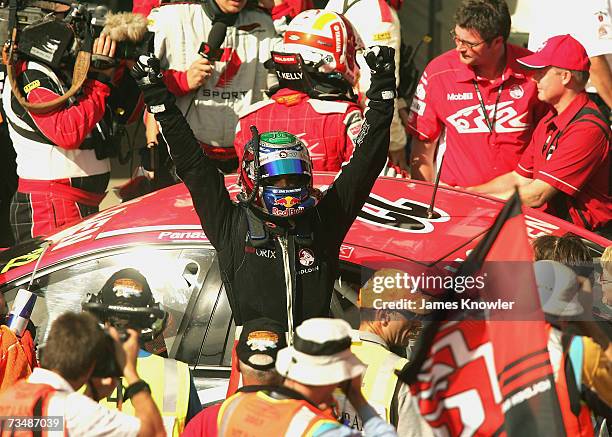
<point>287,201</point>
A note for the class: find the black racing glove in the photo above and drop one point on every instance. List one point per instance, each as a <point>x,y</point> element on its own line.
<point>381,60</point>
<point>148,76</point>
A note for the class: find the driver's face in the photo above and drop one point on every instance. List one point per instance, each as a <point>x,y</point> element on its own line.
<point>286,181</point>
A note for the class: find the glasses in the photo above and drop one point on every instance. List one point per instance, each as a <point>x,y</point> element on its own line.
<point>459,42</point>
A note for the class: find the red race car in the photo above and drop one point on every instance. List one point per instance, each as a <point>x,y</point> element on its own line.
<point>160,235</point>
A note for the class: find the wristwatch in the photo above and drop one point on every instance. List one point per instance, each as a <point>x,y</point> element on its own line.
<point>135,388</point>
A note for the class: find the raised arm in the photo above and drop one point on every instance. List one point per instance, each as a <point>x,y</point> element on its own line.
<point>349,192</point>
<point>205,183</point>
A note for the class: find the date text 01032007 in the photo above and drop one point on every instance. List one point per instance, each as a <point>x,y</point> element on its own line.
<point>32,423</point>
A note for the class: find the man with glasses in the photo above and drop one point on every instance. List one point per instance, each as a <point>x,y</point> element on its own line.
<point>474,102</point>
<point>566,167</point>
<point>381,332</point>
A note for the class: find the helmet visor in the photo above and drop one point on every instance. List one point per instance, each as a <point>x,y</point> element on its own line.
<point>285,166</point>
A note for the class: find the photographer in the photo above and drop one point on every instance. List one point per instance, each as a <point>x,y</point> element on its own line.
<point>123,294</point>
<point>74,348</point>
<point>63,151</point>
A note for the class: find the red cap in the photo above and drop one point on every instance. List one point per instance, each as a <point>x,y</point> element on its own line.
<point>561,51</point>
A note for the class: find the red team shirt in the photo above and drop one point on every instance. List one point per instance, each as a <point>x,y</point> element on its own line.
<point>327,128</point>
<point>579,165</point>
<point>204,423</point>
<point>446,97</point>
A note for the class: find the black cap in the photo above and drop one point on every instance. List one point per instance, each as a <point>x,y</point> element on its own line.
<point>127,287</point>
<point>259,342</point>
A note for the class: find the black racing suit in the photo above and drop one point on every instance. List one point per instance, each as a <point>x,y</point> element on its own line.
<point>256,278</point>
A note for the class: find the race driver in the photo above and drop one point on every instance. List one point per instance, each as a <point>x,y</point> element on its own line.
<point>278,248</point>
<point>316,101</point>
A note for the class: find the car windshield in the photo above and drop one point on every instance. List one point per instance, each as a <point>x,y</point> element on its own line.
<point>172,274</point>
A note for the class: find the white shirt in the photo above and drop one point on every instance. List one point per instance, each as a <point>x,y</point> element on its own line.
<point>589,21</point>
<point>239,78</point>
<point>83,417</point>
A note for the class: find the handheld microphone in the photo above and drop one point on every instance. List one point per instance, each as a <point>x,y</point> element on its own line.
<point>211,49</point>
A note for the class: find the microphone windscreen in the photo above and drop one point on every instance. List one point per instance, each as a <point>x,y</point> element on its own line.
<point>217,35</point>
<point>125,26</point>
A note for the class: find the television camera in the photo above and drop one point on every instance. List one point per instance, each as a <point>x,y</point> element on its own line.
<point>60,33</point>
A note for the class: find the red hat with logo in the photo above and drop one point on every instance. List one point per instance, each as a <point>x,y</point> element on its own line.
<point>561,51</point>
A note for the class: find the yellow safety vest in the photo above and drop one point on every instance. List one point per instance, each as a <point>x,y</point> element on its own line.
<point>378,384</point>
<point>257,413</point>
<point>169,382</point>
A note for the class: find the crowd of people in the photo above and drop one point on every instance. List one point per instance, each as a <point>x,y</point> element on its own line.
<point>274,91</point>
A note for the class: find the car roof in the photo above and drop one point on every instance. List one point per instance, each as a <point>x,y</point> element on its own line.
<point>393,227</point>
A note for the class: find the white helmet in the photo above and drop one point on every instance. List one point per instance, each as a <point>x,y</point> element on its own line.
<point>326,41</point>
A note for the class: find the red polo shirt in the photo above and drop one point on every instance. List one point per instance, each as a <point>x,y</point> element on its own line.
<point>446,97</point>
<point>203,424</point>
<point>578,165</point>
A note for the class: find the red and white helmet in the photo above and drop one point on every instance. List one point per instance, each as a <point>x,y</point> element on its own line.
<point>326,41</point>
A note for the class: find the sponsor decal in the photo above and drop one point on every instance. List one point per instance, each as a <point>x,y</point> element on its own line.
<point>604,30</point>
<point>287,201</point>
<point>294,153</point>
<point>169,235</point>
<point>526,394</point>
<point>338,40</point>
<point>266,253</point>
<point>382,36</point>
<point>284,59</point>
<point>418,106</point>
<point>261,252</point>
<point>287,212</point>
<point>365,127</point>
<point>471,120</point>
<point>306,257</point>
<point>225,95</point>
<point>346,251</point>
<point>31,86</point>
<point>516,91</point>
<point>459,96</point>
<point>127,288</point>
<point>289,100</point>
<point>403,215</point>
<point>262,340</point>
<point>22,259</point>
<point>289,75</point>
<point>542,45</point>
<point>232,65</point>
<point>420,92</point>
<point>85,230</point>
<point>536,227</point>
<point>308,270</point>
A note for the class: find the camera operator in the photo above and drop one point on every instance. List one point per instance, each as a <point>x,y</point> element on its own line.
<point>62,153</point>
<point>170,379</point>
<point>75,347</point>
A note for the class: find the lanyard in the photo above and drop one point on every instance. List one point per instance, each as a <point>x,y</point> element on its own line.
<point>490,122</point>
